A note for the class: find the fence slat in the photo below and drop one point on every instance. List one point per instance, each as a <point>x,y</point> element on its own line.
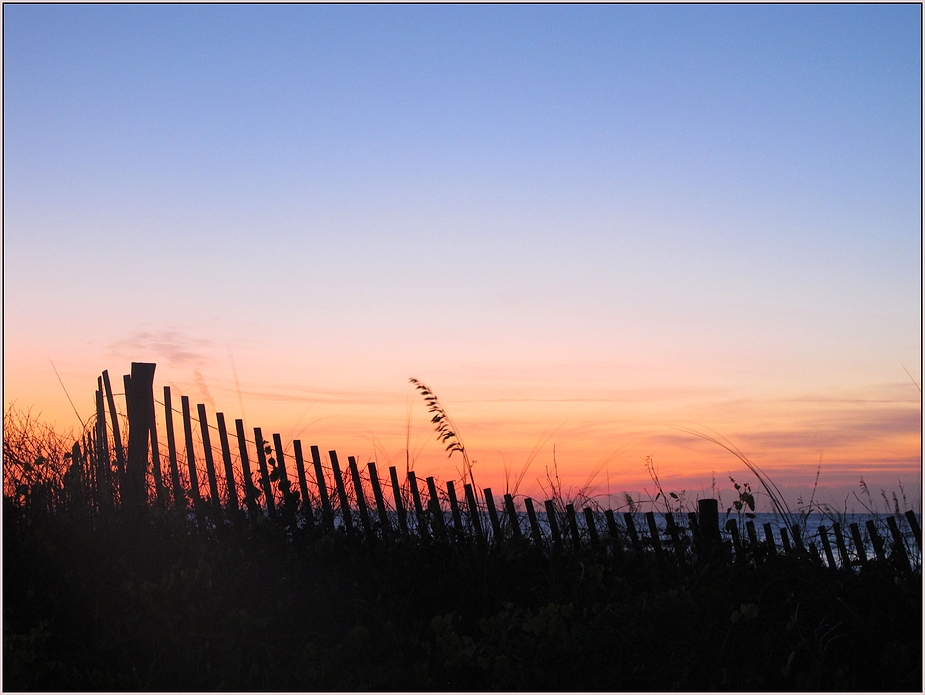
<point>190,451</point>
<point>361,498</point>
<point>858,543</point>
<point>232,492</point>
<point>653,532</point>
<point>399,503</point>
<point>268,496</point>
<point>327,512</point>
<point>380,500</point>
<point>826,546</point>
<point>250,499</point>
<point>179,499</point>
<point>592,529</point>
<point>474,512</point>
<point>418,506</point>
<point>675,535</point>
<point>512,515</point>
<point>631,530</point>
<point>207,453</point>
<point>303,483</point>
<point>616,542</point>
<point>553,524</point>
<point>492,515</point>
<point>282,483</point>
<point>733,529</point>
<point>341,493</point>
<point>140,398</point>
<point>914,525</point>
<point>840,544</point>
<point>898,554</point>
<point>454,506</point>
<point>769,539</point>
<point>572,522</point>
<point>534,523</point>
<point>433,505</point>
<point>876,541</point>
<point>116,434</point>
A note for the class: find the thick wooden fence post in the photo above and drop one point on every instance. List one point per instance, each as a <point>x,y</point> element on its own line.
<point>436,511</point>
<point>207,453</point>
<point>139,399</point>
<point>179,499</point>
<point>190,452</point>
<point>226,459</point>
<point>250,499</point>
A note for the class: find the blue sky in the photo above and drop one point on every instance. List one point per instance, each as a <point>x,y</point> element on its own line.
<point>512,199</point>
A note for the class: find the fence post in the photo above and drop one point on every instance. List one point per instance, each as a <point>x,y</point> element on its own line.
<point>264,472</point>
<point>826,546</point>
<point>399,503</point>
<point>361,499</point>
<point>190,452</point>
<point>341,493</point>
<point>858,543</point>
<point>592,529</point>
<point>572,525</point>
<point>914,525</point>
<point>116,435</point>
<point>139,398</point>
<point>653,532</point>
<point>380,500</point>
<point>179,499</point>
<point>616,543</point>
<point>492,515</point>
<point>840,543</point>
<point>733,529</point>
<point>899,548</point>
<point>434,506</point>
<point>104,467</point>
<point>534,524</point>
<point>454,506</point>
<point>283,483</point>
<point>769,539</point>
<point>249,489</point>
<point>326,511</point>
<point>207,453</point>
<point>876,540</point>
<point>512,515</point>
<point>474,512</point>
<point>631,530</point>
<point>303,483</point>
<point>553,524</point>
<point>418,507</point>
<point>226,459</point>
<point>708,521</point>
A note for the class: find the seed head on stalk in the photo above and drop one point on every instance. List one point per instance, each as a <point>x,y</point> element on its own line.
<point>447,432</point>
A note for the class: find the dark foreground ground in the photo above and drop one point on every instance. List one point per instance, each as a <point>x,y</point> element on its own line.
<point>113,604</point>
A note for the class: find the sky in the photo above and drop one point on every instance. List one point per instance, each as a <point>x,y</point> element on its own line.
<point>590,230</point>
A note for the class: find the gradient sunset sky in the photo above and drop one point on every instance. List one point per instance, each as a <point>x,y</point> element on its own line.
<point>584,227</point>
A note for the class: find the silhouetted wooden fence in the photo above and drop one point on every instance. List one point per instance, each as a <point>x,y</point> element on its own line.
<point>319,495</point>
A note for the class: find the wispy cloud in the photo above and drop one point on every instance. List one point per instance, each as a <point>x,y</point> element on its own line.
<point>170,346</point>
